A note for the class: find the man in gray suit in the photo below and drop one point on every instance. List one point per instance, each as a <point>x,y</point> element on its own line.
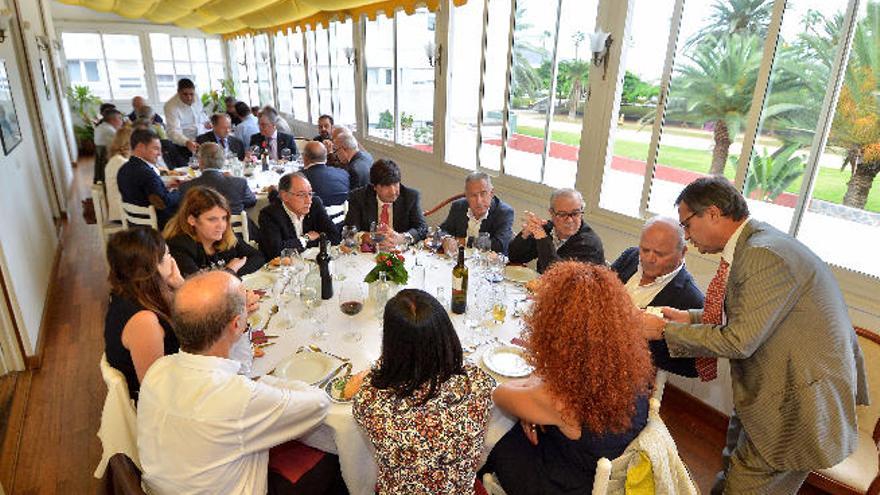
<point>795,364</point>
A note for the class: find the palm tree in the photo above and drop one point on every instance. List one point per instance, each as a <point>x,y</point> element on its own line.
<point>526,80</point>
<point>573,74</point>
<point>578,38</point>
<point>770,175</point>
<point>716,85</point>
<point>736,16</point>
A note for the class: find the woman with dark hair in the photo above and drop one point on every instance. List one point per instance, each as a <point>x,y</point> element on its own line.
<point>424,409</point>
<point>200,236</point>
<point>137,328</point>
<point>588,395</point>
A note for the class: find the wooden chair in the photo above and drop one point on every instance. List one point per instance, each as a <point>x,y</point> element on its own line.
<point>443,203</point>
<point>859,473</point>
<point>301,142</point>
<point>240,226</point>
<point>139,215</point>
<point>105,227</point>
<point>124,477</point>
<point>337,213</point>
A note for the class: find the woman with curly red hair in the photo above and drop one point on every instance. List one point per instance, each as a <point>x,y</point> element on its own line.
<point>588,395</point>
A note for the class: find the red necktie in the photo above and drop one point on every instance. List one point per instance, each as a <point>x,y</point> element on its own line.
<point>713,308</point>
<point>383,217</point>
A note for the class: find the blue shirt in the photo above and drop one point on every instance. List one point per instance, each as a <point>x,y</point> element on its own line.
<point>247,128</point>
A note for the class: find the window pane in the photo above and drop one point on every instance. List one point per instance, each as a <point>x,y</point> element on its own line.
<point>197,50</point>
<point>416,50</point>
<point>495,79</point>
<point>298,77</point>
<point>261,47</point>
<point>74,72</point>
<point>624,174</point>
<point>322,52</point>
<point>215,51</point>
<point>315,109</point>
<point>379,48</point>
<point>181,51</point>
<point>165,80</point>
<point>463,86</point>
<point>161,46</point>
<point>202,78</point>
<point>217,75</point>
<point>575,23</point>
<point>85,48</point>
<point>343,65</point>
<point>710,97</point>
<point>528,118</point>
<point>125,65</point>
<point>842,222</point>
<point>91,71</point>
<point>282,72</point>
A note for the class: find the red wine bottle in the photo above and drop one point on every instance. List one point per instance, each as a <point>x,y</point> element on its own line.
<point>323,260</point>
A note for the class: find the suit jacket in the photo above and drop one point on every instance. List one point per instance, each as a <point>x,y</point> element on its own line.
<point>584,246</point>
<point>498,223</point>
<point>795,364</point>
<point>329,183</point>
<point>277,231</point>
<point>235,144</point>
<point>680,293</point>
<point>191,257</point>
<point>284,141</point>
<point>137,182</point>
<point>359,170</point>
<point>363,209</point>
<point>234,189</point>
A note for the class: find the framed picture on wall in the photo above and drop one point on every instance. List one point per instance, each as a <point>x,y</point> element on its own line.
<point>10,133</point>
<point>45,73</point>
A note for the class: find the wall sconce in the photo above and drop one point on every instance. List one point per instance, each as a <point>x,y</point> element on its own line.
<point>600,42</point>
<point>42,42</point>
<point>297,57</point>
<point>5,16</point>
<point>348,52</point>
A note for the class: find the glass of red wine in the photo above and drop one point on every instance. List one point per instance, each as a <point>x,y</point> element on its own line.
<point>351,302</point>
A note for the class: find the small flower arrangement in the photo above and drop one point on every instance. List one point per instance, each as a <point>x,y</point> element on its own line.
<point>392,264</point>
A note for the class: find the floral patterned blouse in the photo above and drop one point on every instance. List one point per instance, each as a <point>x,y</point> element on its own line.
<point>432,448</point>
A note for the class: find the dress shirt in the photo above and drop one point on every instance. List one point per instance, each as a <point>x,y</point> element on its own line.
<point>205,429</point>
<point>104,134</point>
<point>473,227</point>
<point>184,121</point>
<point>642,295</point>
<point>247,128</point>
<point>297,222</point>
<point>727,255</point>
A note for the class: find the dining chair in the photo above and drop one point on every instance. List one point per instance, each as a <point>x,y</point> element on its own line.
<point>441,204</point>
<point>337,213</point>
<point>124,477</point>
<point>105,227</point>
<point>301,142</point>
<point>240,226</point>
<point>118,430</point>
<point>859,473</point>
<point>139,215</point>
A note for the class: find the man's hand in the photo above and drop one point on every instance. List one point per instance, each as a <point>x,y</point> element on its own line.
<point>235,264</point>
<point>652,326</point>
<point>675,315</point>
<point>312,235</point>
<point>253,301</point>
<point>192,146</point>
<point>531,431</point>
<point>208,124</point>
<point>450,245</point>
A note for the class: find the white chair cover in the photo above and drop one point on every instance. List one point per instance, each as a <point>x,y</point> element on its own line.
<point>118,431</point>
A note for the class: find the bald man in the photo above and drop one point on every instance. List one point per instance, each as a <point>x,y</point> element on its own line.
<point>655,275</point>
<point>329,183</point>
<point>295,218</point>
<point>137,103</point>
<point>202,427</point>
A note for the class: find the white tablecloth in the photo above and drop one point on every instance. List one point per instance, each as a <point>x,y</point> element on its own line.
<point>340,433</point>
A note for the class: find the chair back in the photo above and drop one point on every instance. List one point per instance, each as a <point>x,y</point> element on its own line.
<point>301,142</point>
<point>869,416</point>
<point>105,227</point>
<point>337,212</point>
<point>118,430</point>
<point>443,203</point>
<point>125,477</point>
<point>240,226</point>
<point>139,215</point>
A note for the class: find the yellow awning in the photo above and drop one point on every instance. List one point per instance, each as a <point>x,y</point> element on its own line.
<point>239,17</point>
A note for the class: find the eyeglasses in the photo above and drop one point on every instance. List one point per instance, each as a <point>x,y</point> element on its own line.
<point>686,223</point>
<point>301,195</point>
<point>570,215</point>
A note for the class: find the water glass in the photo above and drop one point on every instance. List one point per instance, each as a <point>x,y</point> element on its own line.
<point>286,154</point>
<point>243,352</point>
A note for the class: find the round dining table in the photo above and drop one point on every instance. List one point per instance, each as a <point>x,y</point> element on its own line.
<point>290,332</point>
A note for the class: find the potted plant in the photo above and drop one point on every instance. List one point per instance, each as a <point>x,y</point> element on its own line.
<point>215,101</point>
<point>84,104</point>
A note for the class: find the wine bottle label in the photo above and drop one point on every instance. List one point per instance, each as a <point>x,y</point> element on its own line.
<point>457,283</point>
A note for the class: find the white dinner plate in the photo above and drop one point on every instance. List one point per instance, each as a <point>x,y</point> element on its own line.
<point>310,253</point>
<point>520,274</point>
<point>258,280</point>
<point>310,367</point>
<point>507,360</point>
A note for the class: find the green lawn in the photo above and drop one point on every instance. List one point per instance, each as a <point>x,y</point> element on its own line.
<point>830,183</point>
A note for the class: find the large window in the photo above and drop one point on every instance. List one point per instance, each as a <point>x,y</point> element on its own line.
<point>109,64</point>
<point>176,57</point>
<point>252,64</point>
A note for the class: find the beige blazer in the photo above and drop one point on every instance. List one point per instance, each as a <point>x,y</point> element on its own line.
<point>795,364</point>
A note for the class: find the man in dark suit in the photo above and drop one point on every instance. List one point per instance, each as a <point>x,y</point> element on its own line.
<point>221,133</point>
<point>394,207</point>
<point>655,275</point>
<point>270,139</point>
<point>138,180</point>
<point>567,236</point>
<point>353,159</point>
<point>294,219</point>
<point>480,211</point>
<point>329,183</point>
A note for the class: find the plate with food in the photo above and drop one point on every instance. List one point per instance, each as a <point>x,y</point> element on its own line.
<point>258,280</point>
<point>342,389</point>
<point>507,360</point>
<point>519,274</point>
<point>309,367</point>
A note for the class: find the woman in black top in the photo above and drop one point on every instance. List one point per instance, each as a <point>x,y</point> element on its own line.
<point>200,236</point>
<point>143,276</point>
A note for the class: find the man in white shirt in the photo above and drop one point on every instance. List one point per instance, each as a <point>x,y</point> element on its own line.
<point>185,116</point>
<point>202,427</point>
<point>655,275</point>
<point>111,121</point>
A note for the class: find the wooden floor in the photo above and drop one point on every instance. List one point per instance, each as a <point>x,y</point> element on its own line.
<point>49,416</point>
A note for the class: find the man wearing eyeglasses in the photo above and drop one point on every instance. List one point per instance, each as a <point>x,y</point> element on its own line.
<point>295,218</point>
<point>566,236</point>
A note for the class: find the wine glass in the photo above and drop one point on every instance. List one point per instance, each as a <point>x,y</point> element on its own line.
<point>376,234</point>
<point>319,320</point>
<point>351,302</point>
<point>310,296</point>
<point>483,242</point>
<point>286,154</point>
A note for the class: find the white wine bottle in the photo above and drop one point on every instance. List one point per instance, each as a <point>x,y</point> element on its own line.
<point>459,284</point>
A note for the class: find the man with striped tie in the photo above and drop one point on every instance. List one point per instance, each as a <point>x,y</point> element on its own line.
<point>776,312</point>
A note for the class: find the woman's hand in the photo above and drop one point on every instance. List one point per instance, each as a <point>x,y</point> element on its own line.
<point>174,279</point>
<point>531,431</point>
<point>235,264</point>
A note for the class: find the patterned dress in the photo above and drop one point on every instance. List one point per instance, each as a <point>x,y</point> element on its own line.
<point>432,448</point>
